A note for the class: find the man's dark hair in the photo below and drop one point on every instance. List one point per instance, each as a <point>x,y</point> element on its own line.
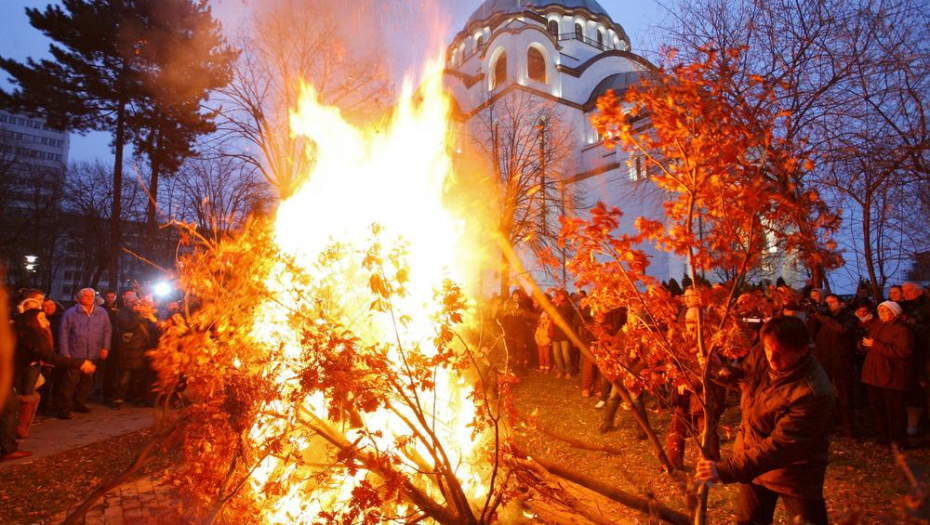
<point>788,331</point>
<point>109,291</point>
<point>837,297</point>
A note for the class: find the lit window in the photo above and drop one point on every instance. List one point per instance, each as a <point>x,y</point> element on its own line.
<point>536,65</point>
<point>639,169</point>
<point>500,71</point>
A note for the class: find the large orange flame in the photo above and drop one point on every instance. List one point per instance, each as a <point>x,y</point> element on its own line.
<point>393,177</point>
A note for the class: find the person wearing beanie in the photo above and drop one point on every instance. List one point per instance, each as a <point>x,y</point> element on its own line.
<point>888,347</point>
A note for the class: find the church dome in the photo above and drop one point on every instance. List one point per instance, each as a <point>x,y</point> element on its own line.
<point>491,7</point>
<point>619,82</point>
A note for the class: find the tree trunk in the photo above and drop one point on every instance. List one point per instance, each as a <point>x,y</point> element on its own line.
<point>505,276</point>
<point>877,287</point>
<point>117,209</point>
<point>151,225</point>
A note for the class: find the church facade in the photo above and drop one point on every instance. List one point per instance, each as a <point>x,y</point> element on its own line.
<point>563,54</point>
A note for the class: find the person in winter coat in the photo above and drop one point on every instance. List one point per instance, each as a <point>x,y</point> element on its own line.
<point>138,333</point>
<point>514,322</point>
<point>916,308</point>
<point>542,336</point>
<point>33,344</point>
<point>782,446</point>
<point>688,410</point>
<point>85,333</point>
<point>561,344</point>
<point>888,346</point>
<point>834,333</point>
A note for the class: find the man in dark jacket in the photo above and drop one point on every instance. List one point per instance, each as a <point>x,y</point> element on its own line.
<point>137,335</point>
<point>916,306</point>
<point>834,333</point>
<point>781,449</point>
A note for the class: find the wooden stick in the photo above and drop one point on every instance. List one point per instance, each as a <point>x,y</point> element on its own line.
<point>646,506</point>
<point>577,443</point>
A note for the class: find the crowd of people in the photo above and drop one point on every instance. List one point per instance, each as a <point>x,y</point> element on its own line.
<point>65,357</point>
<point>821,364</point>
<point>817,360</point>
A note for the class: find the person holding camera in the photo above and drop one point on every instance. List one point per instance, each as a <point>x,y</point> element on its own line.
<point>834,333</point>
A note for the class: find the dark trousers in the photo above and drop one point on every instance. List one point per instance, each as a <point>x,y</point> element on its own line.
<point>111,373</point>
<point>24,381</point>
<point>8,418</point>
<point>74,389</point>
<point>889,413</point>
<point>132,384</point>
<point>757,507</point>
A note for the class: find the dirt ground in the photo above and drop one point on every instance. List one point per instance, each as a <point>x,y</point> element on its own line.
<point>862,477</point>
<point>33,492</point>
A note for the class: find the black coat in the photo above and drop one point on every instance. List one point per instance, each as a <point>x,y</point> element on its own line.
<point>784,435</point>
<point>32,346</point>
<point>835,342</point>
<point>137,335</point>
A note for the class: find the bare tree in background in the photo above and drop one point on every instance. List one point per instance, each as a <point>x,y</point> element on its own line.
<point>219,195</point>
<point>291,41</point>
<point>87,202</point>
<point>30,199</point>
<point>853,77</point>
<point>526,142</point>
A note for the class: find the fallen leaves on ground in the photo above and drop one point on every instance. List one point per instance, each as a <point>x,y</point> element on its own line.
<point>35,491</point>
<point>861,477</point>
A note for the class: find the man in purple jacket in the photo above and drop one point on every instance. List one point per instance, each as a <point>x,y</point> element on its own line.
<point>85,333</point>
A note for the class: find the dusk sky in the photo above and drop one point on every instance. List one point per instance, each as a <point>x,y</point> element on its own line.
<point>20,40</point>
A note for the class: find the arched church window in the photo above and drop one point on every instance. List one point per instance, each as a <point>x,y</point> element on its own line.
<point>536,65</point>
<point>554,28</point>
<point>579,31</point>
<point>500,71</point>
<point>478,43</point>
<point>600,38</point>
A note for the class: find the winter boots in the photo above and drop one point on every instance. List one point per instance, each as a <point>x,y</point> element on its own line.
<point>27,411</point>
<point>610,411</point>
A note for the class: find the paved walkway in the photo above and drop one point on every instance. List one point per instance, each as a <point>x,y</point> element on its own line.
<point>54,435</point>
<point>141,501</point>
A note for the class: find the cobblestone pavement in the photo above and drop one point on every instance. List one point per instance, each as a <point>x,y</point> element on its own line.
<point>144,501</point>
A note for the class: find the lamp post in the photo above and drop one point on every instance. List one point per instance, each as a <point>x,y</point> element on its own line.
<point>32,262</point>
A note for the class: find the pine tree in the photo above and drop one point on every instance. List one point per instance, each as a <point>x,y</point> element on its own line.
<point>87,86</point>
<point>182,58</point>
<point>140,69</point>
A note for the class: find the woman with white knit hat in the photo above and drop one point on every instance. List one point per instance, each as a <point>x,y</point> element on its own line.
<point>888,346</point>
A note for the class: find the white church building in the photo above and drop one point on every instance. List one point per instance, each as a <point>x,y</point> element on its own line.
<point>568,53</point>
